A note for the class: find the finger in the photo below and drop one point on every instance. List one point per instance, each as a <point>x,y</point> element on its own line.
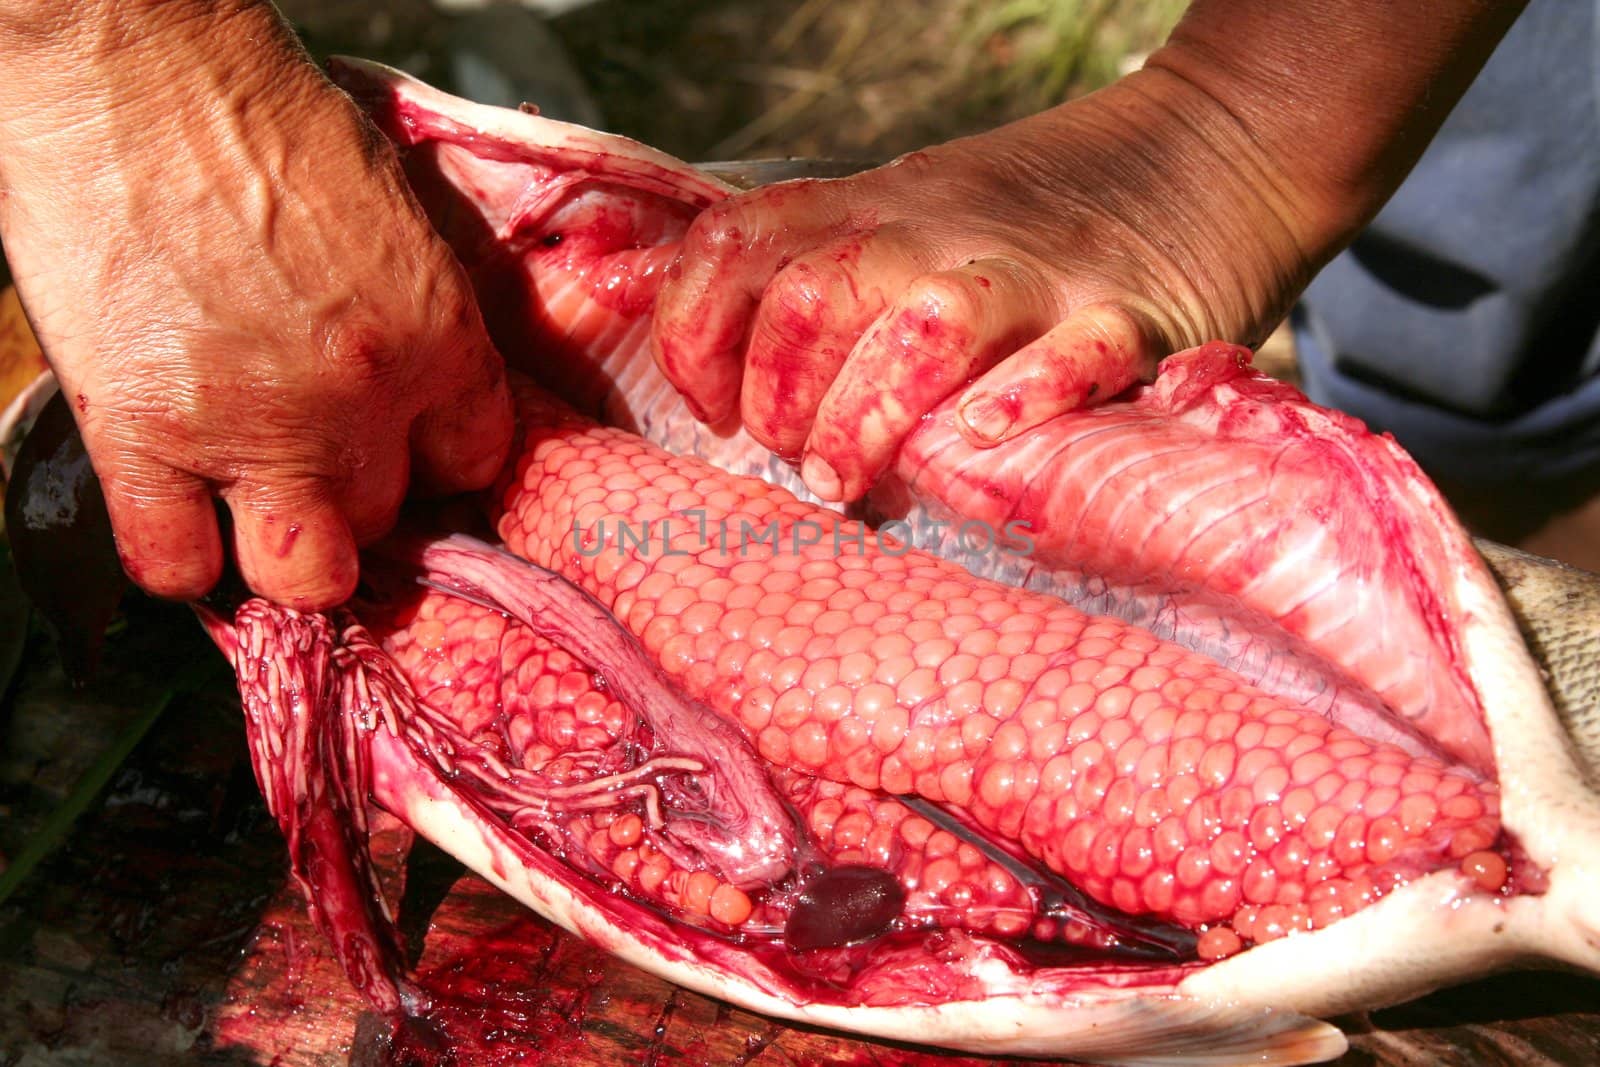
<point>166,529</point>
<point>460,443</point>
<point>811,316</point>
<point>1094,354</point>
<point>703,314</point>
<point>945,329</point>
<point>372,496</point>
<point>293,546</point>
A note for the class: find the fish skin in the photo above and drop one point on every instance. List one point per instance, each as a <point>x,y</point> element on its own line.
<point>1529,746</point>
<point>1117,1025</point>
<point>1425,934</point>
<point>552,311</point>
<point>989,674</point>
<point>1558,609</point>
<point>1113,1015</point>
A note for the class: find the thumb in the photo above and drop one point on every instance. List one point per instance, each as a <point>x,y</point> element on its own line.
<point>1091,356</point>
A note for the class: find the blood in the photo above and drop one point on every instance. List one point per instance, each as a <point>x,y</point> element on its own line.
<point>843,906</point>
<point>608,247</point>
<point>516,995</point>
<point>1009,402</point>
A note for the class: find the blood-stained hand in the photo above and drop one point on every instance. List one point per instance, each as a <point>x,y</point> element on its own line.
<point>1033,269</point>
<point>238,294</point>
<point>1052,263</point>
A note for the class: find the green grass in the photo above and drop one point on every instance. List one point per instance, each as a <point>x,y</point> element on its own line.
<point>53,832</point>
<point>716,79</point>
<point>848,79</point>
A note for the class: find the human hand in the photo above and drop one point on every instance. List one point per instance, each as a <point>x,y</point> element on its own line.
<point>240,297</point>
<point>1053,262</point>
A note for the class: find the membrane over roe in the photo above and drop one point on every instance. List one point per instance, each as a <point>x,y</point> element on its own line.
<point>1148,775</point>
<point>995,810</point>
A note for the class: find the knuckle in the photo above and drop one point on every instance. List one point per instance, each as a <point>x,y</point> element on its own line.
<point>939,313</point>
<point>914,166</point>
<point>945,297</point>
<point>1111,338</point>
<point>1061,364</point>
<point>453,317</point>
<point>137,486</point>
<point>1114,325</point>
<point>720,232</point>
<point>351,344</point>
<point>367,363</point>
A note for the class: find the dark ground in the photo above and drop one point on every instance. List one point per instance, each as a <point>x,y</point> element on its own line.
<point>163,931</point>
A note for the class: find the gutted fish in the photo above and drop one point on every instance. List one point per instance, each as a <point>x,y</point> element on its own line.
<point>1146,737</point>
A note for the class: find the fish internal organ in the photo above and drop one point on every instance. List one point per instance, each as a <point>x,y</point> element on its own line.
<point>549,263</point>
<point>1155,788</point>
<point>1147,775</point>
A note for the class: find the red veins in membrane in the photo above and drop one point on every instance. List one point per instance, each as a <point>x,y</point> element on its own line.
<point>1148,775</point>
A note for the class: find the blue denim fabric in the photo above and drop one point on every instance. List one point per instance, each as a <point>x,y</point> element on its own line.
<point>1466,319</point>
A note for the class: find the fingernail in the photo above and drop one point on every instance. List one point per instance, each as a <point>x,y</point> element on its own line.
<point>989,417</point>
<point>821,478</point>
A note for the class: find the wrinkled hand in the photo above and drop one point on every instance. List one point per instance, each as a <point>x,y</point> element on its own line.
<point>241,298</point>
<point>1055,261</point>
